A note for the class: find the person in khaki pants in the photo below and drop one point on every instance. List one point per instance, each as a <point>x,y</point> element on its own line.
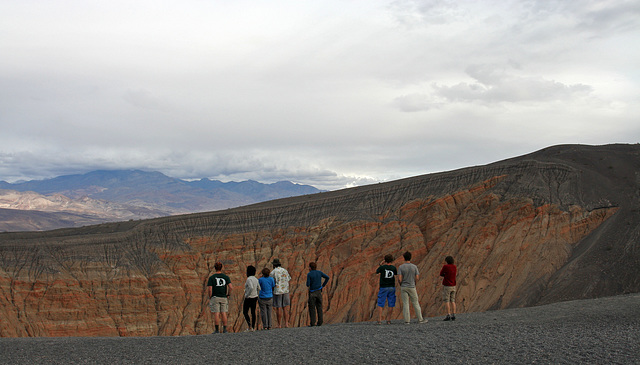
<point>219,289</point>
<point>408,274</point>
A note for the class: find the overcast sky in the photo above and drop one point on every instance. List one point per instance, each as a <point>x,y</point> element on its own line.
<point>327,93</point>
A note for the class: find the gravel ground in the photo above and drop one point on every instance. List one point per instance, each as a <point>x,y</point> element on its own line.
<point>595,331</point>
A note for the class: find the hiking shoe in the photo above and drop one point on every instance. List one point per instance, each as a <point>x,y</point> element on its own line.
<point>447,318</point>
<point>424,321</point>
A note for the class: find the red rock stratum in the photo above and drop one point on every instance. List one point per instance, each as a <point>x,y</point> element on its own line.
<point>558,224</point>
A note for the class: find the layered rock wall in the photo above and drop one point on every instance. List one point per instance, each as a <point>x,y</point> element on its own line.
<point>139,286</point>
<point>559,224</point>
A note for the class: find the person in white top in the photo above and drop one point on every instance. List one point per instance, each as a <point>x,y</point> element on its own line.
<point>281,299</point>
<point>251,289</point>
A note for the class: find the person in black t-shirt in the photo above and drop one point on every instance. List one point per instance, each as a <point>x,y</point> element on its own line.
<point>387,292</point>
<point>219,289</point>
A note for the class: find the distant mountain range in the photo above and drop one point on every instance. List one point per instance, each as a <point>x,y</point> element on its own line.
<point>105,196</point>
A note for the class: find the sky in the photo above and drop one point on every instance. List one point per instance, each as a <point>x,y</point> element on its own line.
<point>328,93</point>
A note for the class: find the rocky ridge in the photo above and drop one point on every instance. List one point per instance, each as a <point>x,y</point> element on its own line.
<point>559,224</point>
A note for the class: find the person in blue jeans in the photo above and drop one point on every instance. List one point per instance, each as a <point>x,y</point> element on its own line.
<point>265,298</point>
<point>387,292</point>
<point>315,284</point>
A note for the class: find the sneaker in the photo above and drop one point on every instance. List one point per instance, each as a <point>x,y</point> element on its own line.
<point>424,321</point>
<point>447,318</point>
<point>453,317</point>
<point>407,322</point>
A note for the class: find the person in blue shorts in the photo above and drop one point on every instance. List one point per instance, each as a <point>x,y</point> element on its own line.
<point>387,292</point>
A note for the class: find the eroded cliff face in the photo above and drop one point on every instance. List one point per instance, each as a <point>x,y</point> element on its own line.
<point>152,281</point>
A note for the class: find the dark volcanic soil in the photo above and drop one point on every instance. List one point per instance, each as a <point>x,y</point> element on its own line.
<point>594,331</point>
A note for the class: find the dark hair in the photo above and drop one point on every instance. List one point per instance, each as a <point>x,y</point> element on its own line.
<point>218,266</point>
<point>312,265</point>
<point>388,258</point>
<point>449,260</point>
<point>251,270</point>
<point>265,272</point>
<point>407,256</point>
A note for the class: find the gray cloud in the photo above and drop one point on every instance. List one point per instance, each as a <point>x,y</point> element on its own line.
<point>495,84</point>
<point>331,94</point>
<point>413,102</point>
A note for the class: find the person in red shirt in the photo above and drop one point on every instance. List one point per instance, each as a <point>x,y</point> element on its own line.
<point>449,271</point>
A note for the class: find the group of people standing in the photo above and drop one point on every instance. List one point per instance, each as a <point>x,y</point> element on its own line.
<point>271,291</point>
<point>407,274</point>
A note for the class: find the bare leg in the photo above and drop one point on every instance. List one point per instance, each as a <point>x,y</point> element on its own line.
<point>216,320</point>
<point>278,317</point>
<point>448,307</point>
<point>286,316</point>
